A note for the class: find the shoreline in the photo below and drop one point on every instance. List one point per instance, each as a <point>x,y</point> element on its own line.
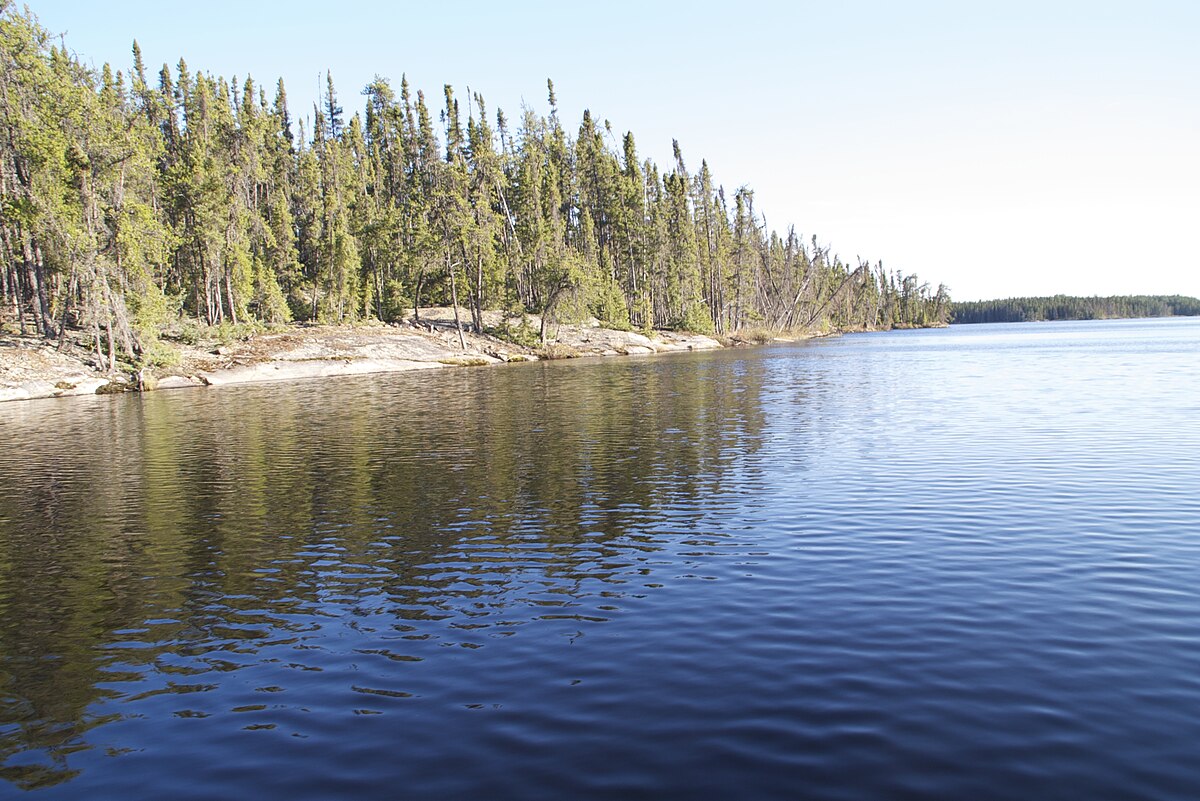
<point>32,368</point>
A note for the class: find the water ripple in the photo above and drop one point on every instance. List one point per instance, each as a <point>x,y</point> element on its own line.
<point>952,564</point>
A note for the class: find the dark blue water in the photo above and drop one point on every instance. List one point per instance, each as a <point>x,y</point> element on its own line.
<point>961,563</point>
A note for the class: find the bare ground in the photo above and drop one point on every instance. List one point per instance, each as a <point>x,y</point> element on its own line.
<point>31,367</point>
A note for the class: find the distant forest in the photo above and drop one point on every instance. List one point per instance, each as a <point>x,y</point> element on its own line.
<point>134,199</point>
<point>1065,307</point>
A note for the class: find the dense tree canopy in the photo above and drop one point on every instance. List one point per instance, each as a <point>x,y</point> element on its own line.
<point>1065,307</point>
<point>132,199</point>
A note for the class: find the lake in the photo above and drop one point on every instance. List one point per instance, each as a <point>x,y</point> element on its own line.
<point>957,563</point>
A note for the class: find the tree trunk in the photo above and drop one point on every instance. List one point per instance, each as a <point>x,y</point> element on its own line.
<point>96,343</point>
<point>112,348</point>
<point>454,299</point>
<point>417,293</point>
<point>477,300</point>
<point>72,288</point>
<point>229,294</point>
<point>35,278</point>
<point>13,289</point>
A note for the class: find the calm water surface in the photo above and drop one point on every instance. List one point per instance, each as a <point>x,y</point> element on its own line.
<point>955,564</point>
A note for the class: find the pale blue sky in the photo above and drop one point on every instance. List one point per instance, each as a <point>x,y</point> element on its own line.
<point>1004,148</point>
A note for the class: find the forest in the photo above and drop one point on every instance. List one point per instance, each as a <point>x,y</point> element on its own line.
<point>1065,307</point>
<point>135,201</point>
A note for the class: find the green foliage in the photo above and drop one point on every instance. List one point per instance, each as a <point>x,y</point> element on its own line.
<point>522,333</point>
<point>188,332</point>
<point>192,332</point>
<point>397,303</point>
<point>128,202</point>
<point>300,301</point>
<point>1064,307</point>
<point>267,301</point>
<point>610,307</point>
<point>696,319</point>
<point>160,354</point>
<point>227,333</point>
<point>557,350</point>
<point>151,311</point>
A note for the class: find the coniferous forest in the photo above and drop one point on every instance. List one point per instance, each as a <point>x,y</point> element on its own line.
<point>1065,307</point>
<point>135,198</point>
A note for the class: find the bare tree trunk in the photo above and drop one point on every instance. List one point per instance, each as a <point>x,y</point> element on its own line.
<point>5,293</point>
<point>112,348</point>
<point>229,294</point>
<point>18,302</point>
<point>210,315</point>
<point>35,277</point>
<point>72,288</point>
<point>477,300</point>
<point>13,288</point>
<point>96,342</point>
<point>417,293</point>
<point>377,273</point>
<point>454,299</point>
<point>831,298</point>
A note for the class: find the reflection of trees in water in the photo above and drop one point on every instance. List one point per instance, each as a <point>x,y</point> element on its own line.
<point>158,541</point>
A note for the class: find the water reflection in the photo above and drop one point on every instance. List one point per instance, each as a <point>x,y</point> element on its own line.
<point>263,554</point>
<point>943,564</point>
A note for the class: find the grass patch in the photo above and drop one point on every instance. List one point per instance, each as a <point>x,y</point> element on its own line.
<point>160,354</point>
<point>465,361</point>
<point>557,350</point>
<point>754,336</point>
<point>191,332</point>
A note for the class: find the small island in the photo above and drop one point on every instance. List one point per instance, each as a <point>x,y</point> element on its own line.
<point>1067,307</point>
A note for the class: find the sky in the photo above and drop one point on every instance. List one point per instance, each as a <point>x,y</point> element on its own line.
<point>1001,148</point>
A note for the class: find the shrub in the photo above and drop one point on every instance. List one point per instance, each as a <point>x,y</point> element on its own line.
<point>557,350</point>
<point>160,354</point>
<point>696,319</point>
<point>523,334</point>
<point>610,307</point>
<point>759,336</point>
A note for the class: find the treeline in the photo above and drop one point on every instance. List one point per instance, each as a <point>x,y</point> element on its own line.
<point>1066,307</point>
<point>132,199</point>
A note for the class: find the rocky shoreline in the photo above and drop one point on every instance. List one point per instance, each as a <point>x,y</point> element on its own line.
<point>33,368</point>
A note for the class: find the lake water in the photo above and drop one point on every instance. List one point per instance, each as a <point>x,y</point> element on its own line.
<point>960,564</point>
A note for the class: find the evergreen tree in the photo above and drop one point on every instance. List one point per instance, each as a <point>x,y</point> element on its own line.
<point>127,204</point>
